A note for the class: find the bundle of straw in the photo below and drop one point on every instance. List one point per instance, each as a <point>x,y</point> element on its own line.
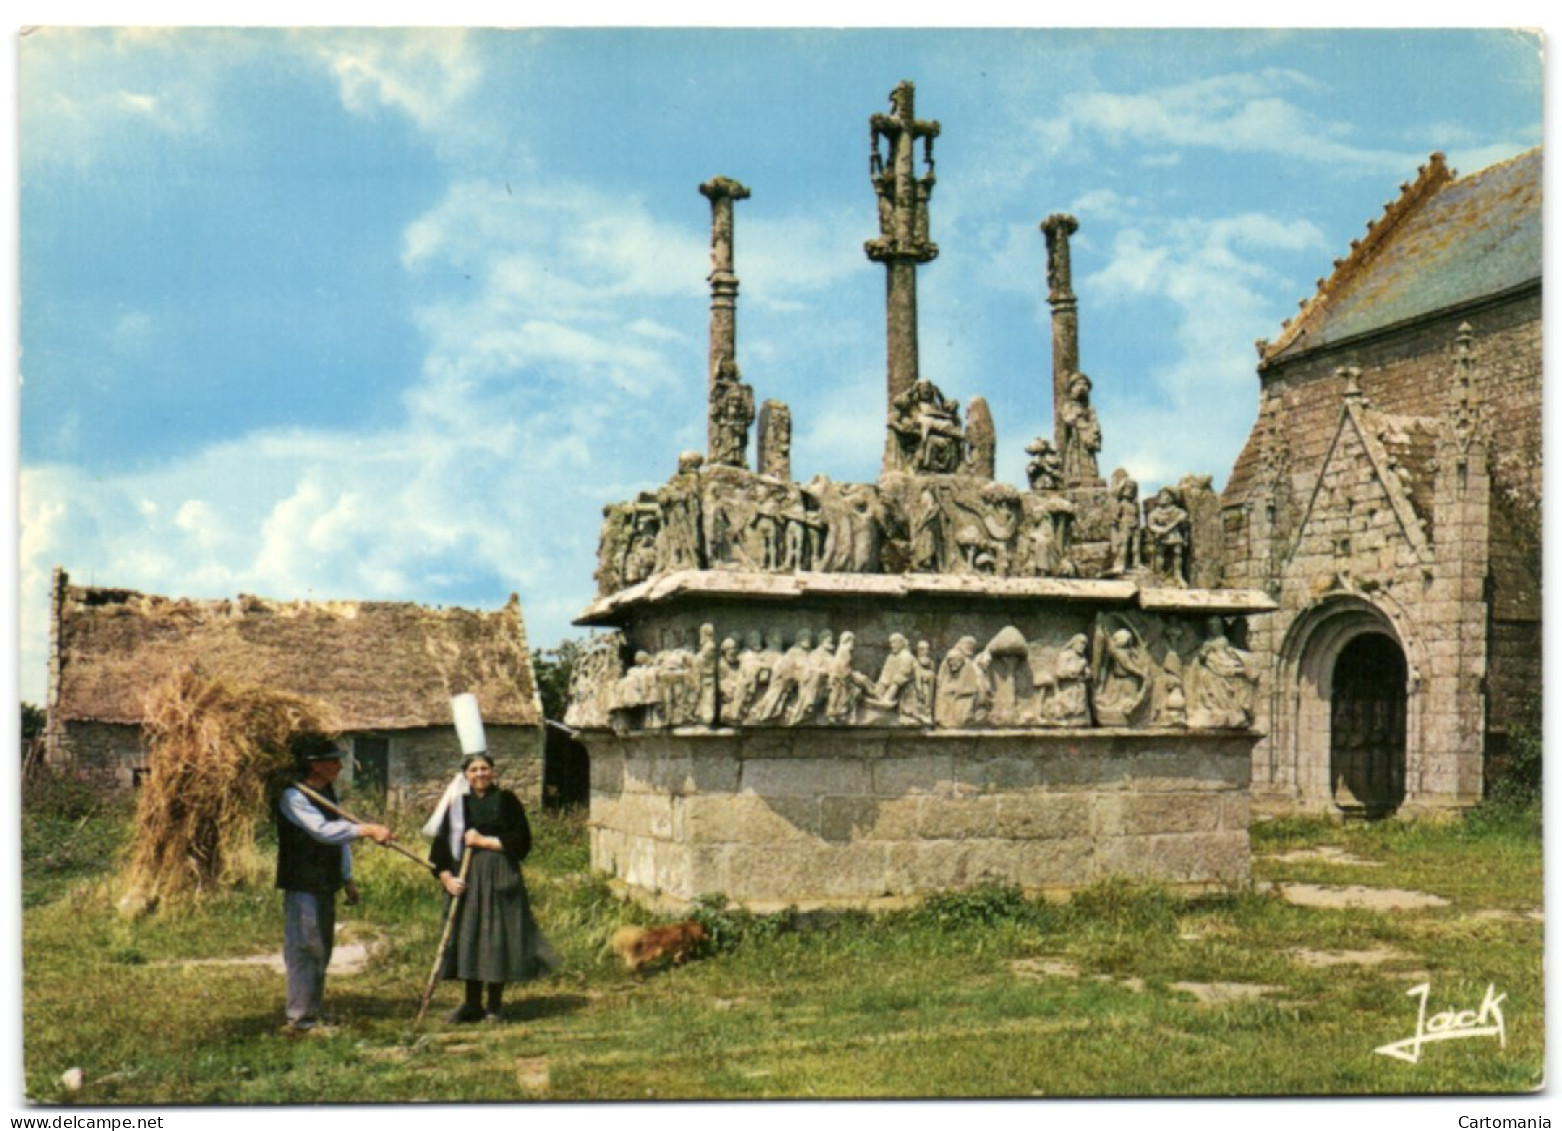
<point>218,751</point>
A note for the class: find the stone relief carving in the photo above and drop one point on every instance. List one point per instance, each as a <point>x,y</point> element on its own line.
<point>1127,672</point>
<point>1044,471</point>
<point>773,454</point>
<point>1221,682</point>
<point>1080,435</point>
<point>963,525</point>
<point>1067,702</point>
<point>592,682</point>
<point>1166,523</point>
<point>1049,523</point>
<point>728,518</point>
<point>728,677</point>
<point>731,413</point>
<point>785,677</point>
<point>1123,676</point>
<point>1125,523</point>
<point>961,695</point>
<point>926,428</point>
<point>900,694</point>
<point>845,686</point>
<point>981,440</point>
<point>849,523</point>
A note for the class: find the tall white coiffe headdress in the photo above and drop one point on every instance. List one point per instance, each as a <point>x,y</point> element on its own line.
<point>469,729</point>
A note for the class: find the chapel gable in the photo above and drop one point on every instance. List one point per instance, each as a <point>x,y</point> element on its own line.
<point>1369,517</point>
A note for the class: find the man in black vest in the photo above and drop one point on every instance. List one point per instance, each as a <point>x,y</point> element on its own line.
<point>313,862</point>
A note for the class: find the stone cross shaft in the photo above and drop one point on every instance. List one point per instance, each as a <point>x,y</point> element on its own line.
<point>903,240</point>
<point>1065,312</point>
<point>721,192</point>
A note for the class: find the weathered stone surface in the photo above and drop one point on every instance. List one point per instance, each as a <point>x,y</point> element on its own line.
<point>889,825</point>
<point>1139,814</point>
<point>748,818</point>
<point>805,777</point>
<point>1035,815</point>
<point>1221,857</point>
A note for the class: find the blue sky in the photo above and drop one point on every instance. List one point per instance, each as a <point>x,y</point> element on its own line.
<point>390,315</point>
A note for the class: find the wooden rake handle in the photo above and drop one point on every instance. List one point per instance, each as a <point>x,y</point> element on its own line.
<point>332,807</point>
<point>444,939</point>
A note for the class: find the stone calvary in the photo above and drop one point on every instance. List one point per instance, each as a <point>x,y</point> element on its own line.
<point>847,694</point>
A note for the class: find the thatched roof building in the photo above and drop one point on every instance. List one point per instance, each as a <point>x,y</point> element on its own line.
<point>386,672</point>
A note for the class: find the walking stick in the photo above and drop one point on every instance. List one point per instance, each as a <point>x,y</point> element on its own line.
<point>332,807</point>
<point>444,939</point>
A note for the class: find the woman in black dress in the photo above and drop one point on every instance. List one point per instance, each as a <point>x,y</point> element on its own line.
<point>495,939</point>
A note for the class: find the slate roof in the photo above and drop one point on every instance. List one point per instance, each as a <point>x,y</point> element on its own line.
<point>378,665</point>
<point>1445,242</point>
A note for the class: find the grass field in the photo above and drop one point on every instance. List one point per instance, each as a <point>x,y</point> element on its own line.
<point>1126,990</point>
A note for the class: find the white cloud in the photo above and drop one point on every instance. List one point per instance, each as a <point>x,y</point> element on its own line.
<point>85,94</point>
<point>1217,276</point>
<point>424,73</point>
<point>1238,113</point>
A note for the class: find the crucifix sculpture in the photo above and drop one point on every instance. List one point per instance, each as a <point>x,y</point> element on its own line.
<point>903,225</point>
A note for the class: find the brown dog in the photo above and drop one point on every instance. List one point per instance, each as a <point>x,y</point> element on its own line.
<point>641,946</point>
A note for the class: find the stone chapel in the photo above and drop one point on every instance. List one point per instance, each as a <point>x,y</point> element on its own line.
<point>1389,500</point>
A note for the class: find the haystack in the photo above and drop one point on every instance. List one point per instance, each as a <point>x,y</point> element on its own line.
<point>217,751</point>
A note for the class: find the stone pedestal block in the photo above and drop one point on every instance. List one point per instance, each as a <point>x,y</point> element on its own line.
<point>803,818</point>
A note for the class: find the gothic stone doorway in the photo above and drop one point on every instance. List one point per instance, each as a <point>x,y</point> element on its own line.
<point>1367,726</point>
<point>1346,708</point>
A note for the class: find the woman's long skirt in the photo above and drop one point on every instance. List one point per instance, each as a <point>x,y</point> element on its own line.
<point>495,938</point>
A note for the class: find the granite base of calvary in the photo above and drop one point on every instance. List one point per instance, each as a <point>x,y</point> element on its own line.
<point>875,817</point>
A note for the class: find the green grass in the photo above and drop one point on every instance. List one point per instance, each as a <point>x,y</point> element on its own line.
<point>947,999</point>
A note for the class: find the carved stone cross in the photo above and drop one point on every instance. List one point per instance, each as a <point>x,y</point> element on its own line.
<point>903,230</point>
<point>730,403</point>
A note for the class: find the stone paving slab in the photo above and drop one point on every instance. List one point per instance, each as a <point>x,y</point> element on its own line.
<point>1322,854</point>
<point>1224,993</point>
<point>1319,958</point>
<point>1355,896</point>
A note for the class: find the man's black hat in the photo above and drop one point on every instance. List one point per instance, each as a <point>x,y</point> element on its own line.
<point>308,748</point>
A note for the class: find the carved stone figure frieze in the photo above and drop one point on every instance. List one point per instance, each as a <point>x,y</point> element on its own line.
<point>678,507</point>
<point>613,547</point>
<point>1068,703</point>
<point>1198,497</point>
<point>981,440</point>
<point>922,688</point>
<point>773,455</point>
<point>961,693</point>
<point>640,555</point>
<point>1080,435</point>
<point>1048,534</point>
<point>814,683</point>
<point>636,697</point>
<point>753,676</point>
<point>731,413</point>
<point>1125,523</point>
<point>1123,676</point>
<point>962,525</point>
<point>785,678</point>
<point>849,523</point>
<point>925,427</point>
<point>1044,470</point>
<point>845,686</point>
<point>1166,522</point>
<point>895,696</point>
<point>705,674</point>
<point>1011,687</point>
<point>728,681</point>
<point>594,682</point>
<point>1169,704</point>
<point>1221,683</point>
